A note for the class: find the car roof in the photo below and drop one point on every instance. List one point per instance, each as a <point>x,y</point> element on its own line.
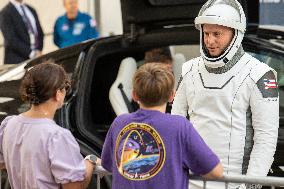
<point>145,15</point>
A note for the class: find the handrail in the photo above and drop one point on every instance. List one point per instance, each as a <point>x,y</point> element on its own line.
<point>268,180</point>
<point>99,170</point>
<point>243,179</point>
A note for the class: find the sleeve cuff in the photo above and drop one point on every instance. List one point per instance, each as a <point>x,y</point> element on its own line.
<point>76,175</point>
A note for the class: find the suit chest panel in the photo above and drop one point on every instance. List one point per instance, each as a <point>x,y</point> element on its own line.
<point>218,93</point>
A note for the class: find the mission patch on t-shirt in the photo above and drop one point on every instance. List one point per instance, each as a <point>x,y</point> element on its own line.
<point>140,152</point>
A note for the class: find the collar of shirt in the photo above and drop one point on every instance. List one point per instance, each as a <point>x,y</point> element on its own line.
<point>18,6</point>
<point>28,12</point>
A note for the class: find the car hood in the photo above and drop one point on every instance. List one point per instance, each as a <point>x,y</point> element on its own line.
<point>10,72</point>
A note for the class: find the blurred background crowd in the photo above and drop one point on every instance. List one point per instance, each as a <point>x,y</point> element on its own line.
<point>108,22</point>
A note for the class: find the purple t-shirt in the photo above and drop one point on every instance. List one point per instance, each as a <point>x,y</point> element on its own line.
<point>39,154</point>
<point>150,149</point>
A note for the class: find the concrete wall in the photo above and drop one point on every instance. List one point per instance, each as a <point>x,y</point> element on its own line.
<point>48,11</point>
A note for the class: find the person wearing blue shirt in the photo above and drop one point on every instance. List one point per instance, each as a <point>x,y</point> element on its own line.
<point>74,26</point>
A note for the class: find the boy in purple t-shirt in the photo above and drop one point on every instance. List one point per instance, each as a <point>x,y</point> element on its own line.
<point>151,149</point>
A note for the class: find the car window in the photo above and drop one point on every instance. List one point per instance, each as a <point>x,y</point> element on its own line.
<point>274,61</point>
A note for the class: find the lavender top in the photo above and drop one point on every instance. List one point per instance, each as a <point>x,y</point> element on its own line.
<point>150,149</point>
<point>39,154</point>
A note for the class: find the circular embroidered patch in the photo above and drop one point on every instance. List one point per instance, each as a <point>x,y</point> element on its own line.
<point>140,152</point>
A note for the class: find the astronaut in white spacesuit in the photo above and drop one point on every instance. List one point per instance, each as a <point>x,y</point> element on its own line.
<point>230,97</point>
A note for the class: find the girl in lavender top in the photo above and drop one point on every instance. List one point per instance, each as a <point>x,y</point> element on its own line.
<point>36,152</point>
<point>151,149</point>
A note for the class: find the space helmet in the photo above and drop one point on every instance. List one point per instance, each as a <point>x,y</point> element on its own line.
<point>227,13</point>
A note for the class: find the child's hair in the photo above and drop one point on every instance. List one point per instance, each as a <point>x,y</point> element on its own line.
<point>153,84</point>
<point>162,55</point>
<point>42,81</point>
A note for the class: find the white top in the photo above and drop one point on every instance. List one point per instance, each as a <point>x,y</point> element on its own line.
<point>39,154</point>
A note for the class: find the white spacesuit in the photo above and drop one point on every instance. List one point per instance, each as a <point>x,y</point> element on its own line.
<point>232,99</point>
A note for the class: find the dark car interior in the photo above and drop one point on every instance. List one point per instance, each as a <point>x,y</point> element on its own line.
<point>101,113</point>
<point>95,110</point>
<point>103,79</point>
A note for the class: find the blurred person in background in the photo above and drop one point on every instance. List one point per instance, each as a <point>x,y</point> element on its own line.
<point>23,35</point>
<point>161,55</point>
<point>74,26</point>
